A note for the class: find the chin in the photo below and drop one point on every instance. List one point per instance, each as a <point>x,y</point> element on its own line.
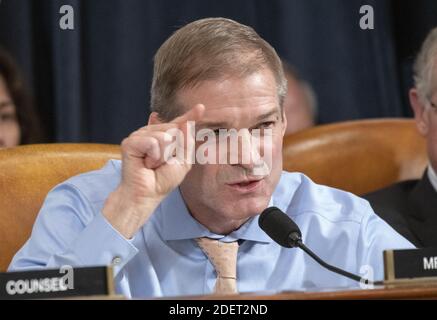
<point>247,208</point>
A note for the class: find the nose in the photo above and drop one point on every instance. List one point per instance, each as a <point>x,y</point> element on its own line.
<point>248,150</point>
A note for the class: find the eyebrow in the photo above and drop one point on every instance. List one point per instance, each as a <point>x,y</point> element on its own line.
<point>213,124</point>
<point>225,124</point>
<point>267,115</point>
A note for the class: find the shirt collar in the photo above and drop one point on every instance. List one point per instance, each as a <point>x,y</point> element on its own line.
<point>432,176</point>
<point>179,224</point>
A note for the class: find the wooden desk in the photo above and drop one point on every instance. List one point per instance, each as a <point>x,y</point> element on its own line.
<point>399,291</point>
<point>425,290</point>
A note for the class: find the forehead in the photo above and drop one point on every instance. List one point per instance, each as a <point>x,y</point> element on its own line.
<point>234,99</point>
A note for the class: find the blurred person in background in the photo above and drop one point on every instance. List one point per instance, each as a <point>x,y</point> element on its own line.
<point>300,103</point>
<point>18,120</point>
<point>410,207</point>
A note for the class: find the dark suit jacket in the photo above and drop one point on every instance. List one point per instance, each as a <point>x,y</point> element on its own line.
<point>410,207</point>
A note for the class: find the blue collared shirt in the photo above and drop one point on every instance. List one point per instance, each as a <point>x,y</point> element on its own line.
<point>163,259</point>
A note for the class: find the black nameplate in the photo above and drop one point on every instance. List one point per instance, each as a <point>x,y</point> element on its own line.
<point>57,283</point>
<point>410,264</point>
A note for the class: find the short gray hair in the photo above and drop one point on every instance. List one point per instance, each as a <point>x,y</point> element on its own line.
<point>424,65</point>
<point>209,49</point>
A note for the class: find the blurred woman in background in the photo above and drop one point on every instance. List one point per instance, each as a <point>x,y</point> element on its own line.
<point>18,120</point>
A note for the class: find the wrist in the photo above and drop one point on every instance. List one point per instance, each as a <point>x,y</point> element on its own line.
<point>128,215</point>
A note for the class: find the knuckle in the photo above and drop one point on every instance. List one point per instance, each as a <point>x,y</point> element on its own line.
<point>153,142</point>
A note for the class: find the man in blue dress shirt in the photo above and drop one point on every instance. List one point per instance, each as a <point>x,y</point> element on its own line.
<point>143,215</point>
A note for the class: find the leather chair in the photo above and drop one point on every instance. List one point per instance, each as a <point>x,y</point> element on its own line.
<point>28,173</point>
<point>358,156</point>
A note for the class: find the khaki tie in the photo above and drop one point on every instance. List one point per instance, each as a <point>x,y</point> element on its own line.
<point>223,257</point>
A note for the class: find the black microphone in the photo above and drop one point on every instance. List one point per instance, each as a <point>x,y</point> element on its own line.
<point>286,233</point>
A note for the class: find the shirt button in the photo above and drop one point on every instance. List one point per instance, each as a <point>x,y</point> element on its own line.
<point>116,261</point>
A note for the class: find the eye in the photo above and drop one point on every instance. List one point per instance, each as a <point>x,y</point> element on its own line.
<point>266,125</point>
<point>7,117</point>
<point>217,131</point>
<point>269,124</point>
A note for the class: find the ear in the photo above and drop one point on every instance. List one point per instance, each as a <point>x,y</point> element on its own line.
<point>420,112</point>
<point>154,118</point>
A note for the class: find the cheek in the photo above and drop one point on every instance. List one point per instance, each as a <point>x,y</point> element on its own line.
<point>273,149</point>
<point>12,135</point>
<point>277,162</point>
<point>271,155</point>
<point>277,145</point>
<point>200,177</point>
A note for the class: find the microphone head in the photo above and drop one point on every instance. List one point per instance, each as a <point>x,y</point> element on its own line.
<point>279,227</point>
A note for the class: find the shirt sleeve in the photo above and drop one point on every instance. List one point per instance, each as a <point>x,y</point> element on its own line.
<point>69,231</point>
<point>375,237</point>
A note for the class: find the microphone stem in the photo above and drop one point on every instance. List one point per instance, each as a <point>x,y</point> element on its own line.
<point>330,267</point>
